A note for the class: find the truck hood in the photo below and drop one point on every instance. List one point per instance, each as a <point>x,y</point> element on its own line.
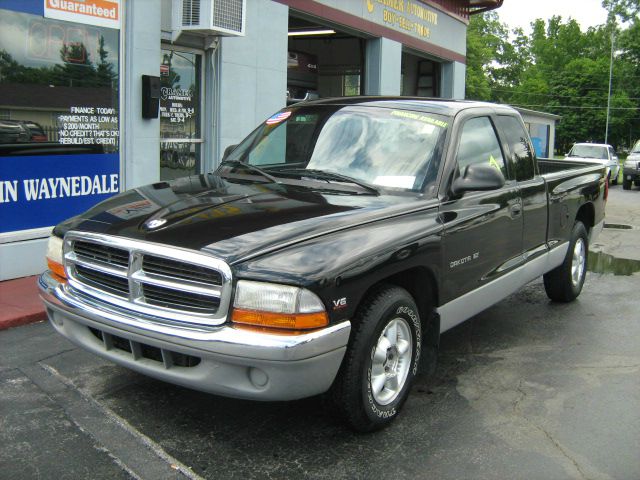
<point>233,219</point>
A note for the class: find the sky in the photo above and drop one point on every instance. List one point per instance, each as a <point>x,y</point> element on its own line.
<point>520,13</point>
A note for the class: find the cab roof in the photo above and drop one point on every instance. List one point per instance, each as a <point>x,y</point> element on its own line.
<point>421,104</point>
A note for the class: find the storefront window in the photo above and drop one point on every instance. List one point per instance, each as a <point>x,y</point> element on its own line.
<point>59,127</point>
<point>180,131</point>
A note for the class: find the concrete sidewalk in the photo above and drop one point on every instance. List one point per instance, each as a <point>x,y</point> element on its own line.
<point>20,303</point>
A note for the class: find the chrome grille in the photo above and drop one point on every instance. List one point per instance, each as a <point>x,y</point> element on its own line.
<point>155,280</point>
<point>102,253</point>
<point>110,283</point>
<point>185,271</point>
<point>168,298</point>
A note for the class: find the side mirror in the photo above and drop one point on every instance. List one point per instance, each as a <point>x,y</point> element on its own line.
<point>228,150</point>
<point>478,177</point>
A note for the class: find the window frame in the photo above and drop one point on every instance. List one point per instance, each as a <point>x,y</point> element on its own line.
<point>492,122</point>
<point>507,146</point>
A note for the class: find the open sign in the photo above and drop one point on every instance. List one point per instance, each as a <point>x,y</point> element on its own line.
<point>54,42</point>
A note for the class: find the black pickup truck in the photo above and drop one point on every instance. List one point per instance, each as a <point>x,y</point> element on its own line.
<point>327,253</point>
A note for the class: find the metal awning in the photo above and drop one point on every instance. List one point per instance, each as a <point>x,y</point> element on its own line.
<point>481,6</point>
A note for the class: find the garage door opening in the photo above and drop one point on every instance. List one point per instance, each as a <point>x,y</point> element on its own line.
<point>420,76</point>
<point>323,61</point>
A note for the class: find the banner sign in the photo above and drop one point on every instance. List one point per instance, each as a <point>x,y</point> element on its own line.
<point>102,13</point>
<point>41,191</point>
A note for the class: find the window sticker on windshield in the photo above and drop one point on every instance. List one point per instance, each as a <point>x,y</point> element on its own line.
<point>421,118</point>
<point>398,181</point>
<point>278,118</point>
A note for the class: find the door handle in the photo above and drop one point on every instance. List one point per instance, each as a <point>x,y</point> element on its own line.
<point>516,210</point>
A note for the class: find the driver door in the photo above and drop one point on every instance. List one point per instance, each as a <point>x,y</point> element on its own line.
<point>482,237</point>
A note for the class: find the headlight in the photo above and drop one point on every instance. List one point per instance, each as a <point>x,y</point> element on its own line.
<point>277,306</point>
<point>54,256</point>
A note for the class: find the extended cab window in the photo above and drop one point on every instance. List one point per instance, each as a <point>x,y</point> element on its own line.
<point>479,144</point>
<point>518,141</point>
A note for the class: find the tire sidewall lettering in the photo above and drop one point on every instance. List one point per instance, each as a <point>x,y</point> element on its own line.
<point>415,320</point>
<point>385,412</point>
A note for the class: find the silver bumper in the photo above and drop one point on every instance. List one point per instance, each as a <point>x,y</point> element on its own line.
<point>230,362</point>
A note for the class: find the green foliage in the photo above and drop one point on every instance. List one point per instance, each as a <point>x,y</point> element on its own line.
<point>558,68</point>
<point>76,69</point>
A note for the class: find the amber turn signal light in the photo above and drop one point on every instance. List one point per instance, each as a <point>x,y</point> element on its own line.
<point>56,268</point>
<point>291,321</point>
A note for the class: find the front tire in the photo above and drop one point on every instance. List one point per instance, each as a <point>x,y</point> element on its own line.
<point>564,283</point>
<point>626,184</point>
<point>381,360</point>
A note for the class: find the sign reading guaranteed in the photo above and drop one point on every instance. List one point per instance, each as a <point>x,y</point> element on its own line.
<point>103,13</point>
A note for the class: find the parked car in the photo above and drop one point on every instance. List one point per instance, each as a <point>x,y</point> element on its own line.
<point>327,261</point>
<point>36,132</point>
<point>631,170</point>
<point>21,131</point>
<point>601,152</point>
<point>12,131</point>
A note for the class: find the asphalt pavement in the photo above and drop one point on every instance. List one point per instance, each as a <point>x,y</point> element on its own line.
<point>528,389</point>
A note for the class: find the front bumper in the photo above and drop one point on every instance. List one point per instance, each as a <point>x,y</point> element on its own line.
<point>223,360</point>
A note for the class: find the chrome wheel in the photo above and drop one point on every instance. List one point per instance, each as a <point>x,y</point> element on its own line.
<point>578,262</point>
<point>391,361</point>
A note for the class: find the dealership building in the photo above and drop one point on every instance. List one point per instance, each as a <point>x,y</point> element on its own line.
<point>100,96</point>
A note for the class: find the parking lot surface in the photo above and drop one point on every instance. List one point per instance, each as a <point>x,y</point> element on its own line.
<point>528,389</point>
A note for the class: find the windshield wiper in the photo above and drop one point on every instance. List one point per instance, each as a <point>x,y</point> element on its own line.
<point>328,176</point>
<point>253,168</point>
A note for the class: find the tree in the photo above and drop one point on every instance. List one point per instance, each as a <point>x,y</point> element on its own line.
<point>486,38</point>
<point>560,69</point>
<point>105,75</point>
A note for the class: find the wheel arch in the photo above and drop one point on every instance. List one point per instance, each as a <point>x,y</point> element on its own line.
<point>422,285</point>
<point>586,214</point>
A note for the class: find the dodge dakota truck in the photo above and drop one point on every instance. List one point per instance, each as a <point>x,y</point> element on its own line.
<point>327,252</point>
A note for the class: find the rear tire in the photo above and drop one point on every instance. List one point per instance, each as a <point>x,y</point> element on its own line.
<point>381,360</point>
<point>614,180</point>
<point>564,283</point>
<point>626,184</point>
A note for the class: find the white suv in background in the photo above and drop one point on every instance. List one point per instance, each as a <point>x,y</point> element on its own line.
<point>600,152</point>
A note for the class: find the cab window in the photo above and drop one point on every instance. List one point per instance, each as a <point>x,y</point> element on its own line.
<point>479,144</point>
<point>520,147</point>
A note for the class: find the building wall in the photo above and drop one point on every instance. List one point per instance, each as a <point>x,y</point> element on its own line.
<point>533,119</point>
<point>252,72</point>
<point>140,137</point>
<point>382,67</point>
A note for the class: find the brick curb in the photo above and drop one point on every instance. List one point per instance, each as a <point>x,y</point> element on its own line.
<point>23,320</point>
<point>20,302</point>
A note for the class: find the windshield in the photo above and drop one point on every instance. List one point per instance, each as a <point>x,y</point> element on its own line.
<point>588,151</point>
<point>383,147</point>
<point>636,147</point>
